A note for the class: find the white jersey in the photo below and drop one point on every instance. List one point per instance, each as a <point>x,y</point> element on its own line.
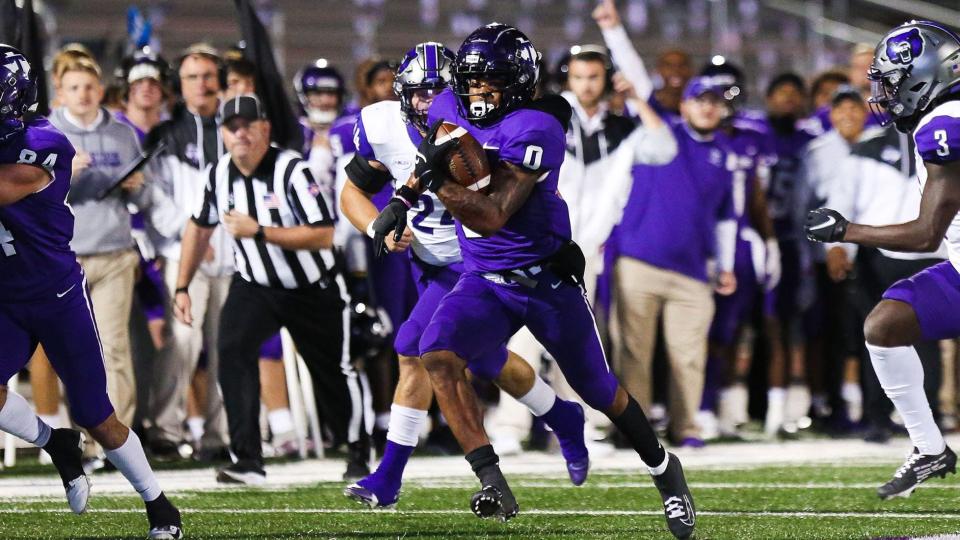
<point>383,127</point>
<point>937,139</point>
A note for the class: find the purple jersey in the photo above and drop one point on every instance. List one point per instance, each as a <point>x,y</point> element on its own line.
<point>534,140</point>
<point>785,192</point>
<point>35,232</point>
<point>749,155</point>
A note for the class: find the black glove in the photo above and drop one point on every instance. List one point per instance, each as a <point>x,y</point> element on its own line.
<point>825,225</point>
<point>431,164</point>
<point>392,218</point>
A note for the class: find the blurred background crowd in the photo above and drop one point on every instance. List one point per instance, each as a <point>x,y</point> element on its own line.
<point>718,314</point>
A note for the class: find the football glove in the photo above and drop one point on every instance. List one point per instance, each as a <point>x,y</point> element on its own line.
<point>430,168</point>
<point>392,218</point>
<point>825,225</point>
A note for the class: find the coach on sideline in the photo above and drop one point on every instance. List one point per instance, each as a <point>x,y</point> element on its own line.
<point>282,227</point>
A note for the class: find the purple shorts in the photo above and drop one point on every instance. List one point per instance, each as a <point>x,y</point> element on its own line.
<point>733,310</point>
<point>934,294</point>
<point>479,315</point>
<point>66,328</point>
<point>393,287</point>
<point>433,284</point>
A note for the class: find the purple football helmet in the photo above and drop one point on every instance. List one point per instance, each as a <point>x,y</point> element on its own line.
<point>18,91</point>
<point>425,70</point>
<point>500,53</point>
<point>319,76</point>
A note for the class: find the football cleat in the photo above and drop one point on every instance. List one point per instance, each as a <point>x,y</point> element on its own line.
<point>369,497</point>
<point>677,500</point>
<point>916,470</point>
<point>165,523</point>
<point>238,473</point>
<point>491,501</point>
<point>66,451</point>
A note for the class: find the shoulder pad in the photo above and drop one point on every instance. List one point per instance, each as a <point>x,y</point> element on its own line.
<point>380,119</point>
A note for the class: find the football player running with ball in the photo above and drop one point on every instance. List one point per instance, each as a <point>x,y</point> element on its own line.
<point>916,86</point>
<point>521,266</point>
<point>387,136</point>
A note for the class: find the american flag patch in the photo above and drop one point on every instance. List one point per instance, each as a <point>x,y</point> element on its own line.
<point>314,189</point>
<point>271,201</point>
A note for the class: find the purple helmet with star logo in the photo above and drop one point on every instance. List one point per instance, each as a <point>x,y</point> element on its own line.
<point>914,66</point>
<point>18,90</point>
<point>502,55</point>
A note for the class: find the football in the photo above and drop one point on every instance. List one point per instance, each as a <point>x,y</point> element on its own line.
<point>467,163</point>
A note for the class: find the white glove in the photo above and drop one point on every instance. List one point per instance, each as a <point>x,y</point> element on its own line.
<point>771,265</point>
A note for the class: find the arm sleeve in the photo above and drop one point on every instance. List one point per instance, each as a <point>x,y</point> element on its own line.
<point>307,198</point>
<point>653,146</point>
<point>207,215</point>
<point>628,61</point>
<point>726,231</point>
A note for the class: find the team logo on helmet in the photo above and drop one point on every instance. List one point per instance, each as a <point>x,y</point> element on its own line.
<point>903,48</point>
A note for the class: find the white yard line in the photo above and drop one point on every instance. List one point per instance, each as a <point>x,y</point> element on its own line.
<point>533,512</point>
<point>454,471</point>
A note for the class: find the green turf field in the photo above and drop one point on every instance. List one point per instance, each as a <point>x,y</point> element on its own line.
<point>764,503</point>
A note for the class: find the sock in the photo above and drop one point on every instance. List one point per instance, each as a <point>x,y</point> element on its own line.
<point>540,399</point>
<point>661,468</point>
<point>901,375</point>
<point>403,434</point>
<point>280,421</point>
<point>18,419</point>
<point>132,463</point>
<point>637,429</point>
<point>485,464</point>
<point>776,405</point>
<point>52,420</point>
<point>195,425</point>
<point>382,421</point>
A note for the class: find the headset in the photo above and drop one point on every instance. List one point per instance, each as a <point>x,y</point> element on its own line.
<point>586,52</point>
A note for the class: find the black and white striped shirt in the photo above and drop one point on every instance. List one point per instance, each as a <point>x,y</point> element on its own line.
<point>281,192</point>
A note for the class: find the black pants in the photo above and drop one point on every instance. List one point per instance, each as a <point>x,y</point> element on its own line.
<point>317,320</point>
<point>875,273</point>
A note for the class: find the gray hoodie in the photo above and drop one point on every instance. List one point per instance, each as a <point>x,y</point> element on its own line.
<point>101,226</point>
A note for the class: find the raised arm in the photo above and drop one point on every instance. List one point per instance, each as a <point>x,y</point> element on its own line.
<point>621,49</point>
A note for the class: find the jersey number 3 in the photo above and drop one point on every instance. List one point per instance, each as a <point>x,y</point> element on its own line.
<point>941,136</point>
<point>6,242</point>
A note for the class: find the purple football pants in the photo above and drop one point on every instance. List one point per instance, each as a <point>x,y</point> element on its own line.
<point>65,326</point>
<point>479,315</point>
<point>934,295</point>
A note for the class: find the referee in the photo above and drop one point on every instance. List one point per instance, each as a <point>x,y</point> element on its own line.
<point>283,232</point>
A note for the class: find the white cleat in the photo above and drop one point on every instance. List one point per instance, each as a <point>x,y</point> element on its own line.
<point>167,532</point>
<point>78,494</point>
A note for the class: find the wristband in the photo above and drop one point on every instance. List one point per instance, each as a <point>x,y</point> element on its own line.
<point>408,195</point>
<point>180,290</point>
<point>260,234</point>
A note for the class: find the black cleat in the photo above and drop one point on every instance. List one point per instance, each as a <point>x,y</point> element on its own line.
<point>916,470</point>
<point>491,501</point>
<point>65,448</point>
<point>242,472</point>
<point>677,500</point>
<point>164,520</point>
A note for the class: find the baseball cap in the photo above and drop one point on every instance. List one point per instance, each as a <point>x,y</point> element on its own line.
<point>700,85</point>
<point>144,70</point>
<point>245,106</point>
<point>843,92</point>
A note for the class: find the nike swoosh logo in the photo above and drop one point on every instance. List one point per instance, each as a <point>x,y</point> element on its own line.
<point>555,285</point>
<point>829,222</point>
<point>64,293</point>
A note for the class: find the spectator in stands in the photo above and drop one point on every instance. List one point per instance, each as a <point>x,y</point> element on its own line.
<point>678,216</point>
<point>673,67</point>
<point>102,236</point>
<point>822,89</point>
<point>193,142</point>
<point>788,397</point>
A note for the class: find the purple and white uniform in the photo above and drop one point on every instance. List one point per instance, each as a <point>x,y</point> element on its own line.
<point>44,299</point>
<point>485,308</point>
<point>383,135</point>
<point>934,293</point>
<point>748,158</point>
